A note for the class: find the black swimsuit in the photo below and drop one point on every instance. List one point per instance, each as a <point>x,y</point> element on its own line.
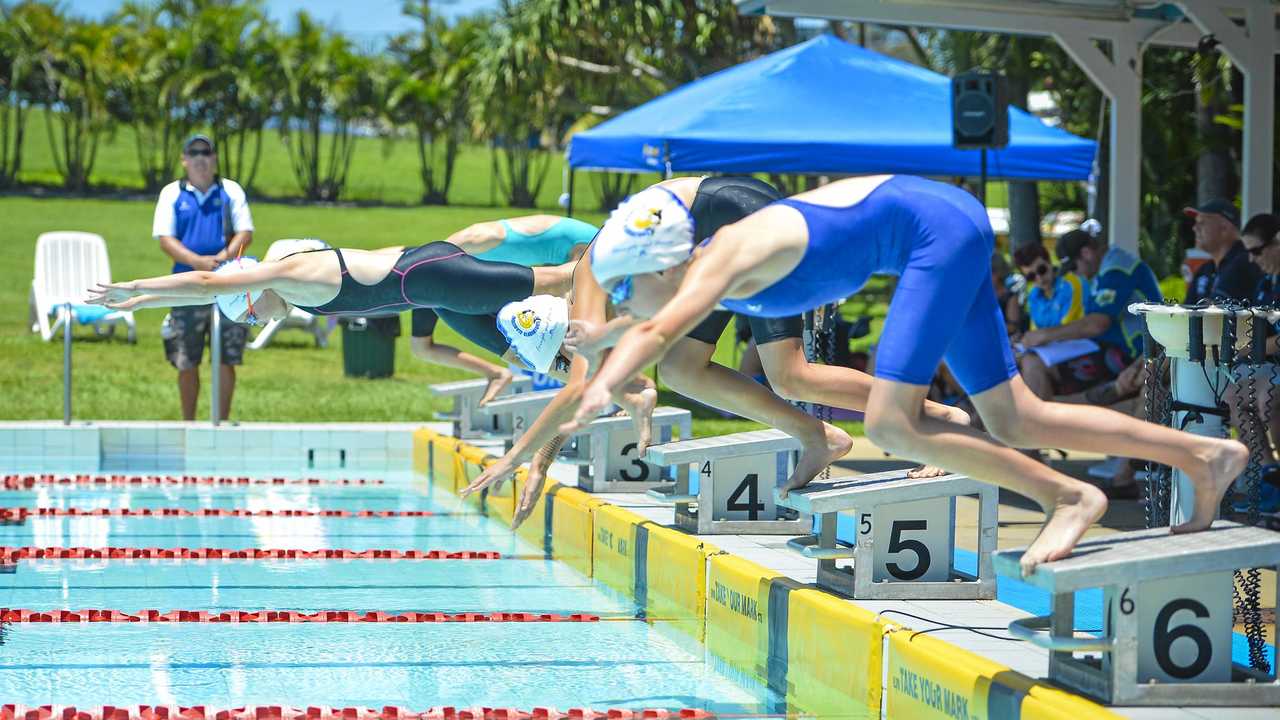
<point>437,275</point>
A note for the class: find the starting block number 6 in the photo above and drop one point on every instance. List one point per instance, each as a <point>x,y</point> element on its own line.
<point>910,541</point>
<point>1184,627</point>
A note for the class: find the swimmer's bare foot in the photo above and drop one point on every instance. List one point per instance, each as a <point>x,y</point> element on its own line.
<point>496,385</point>
<point>836,443</point>
<point>1220,465</point>
<point>1072,515</point>
<point>926,471</point>
<point>534,480</point>
<point>640,406</point>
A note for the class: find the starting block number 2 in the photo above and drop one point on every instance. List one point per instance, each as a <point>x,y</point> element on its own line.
<point>911,542</point>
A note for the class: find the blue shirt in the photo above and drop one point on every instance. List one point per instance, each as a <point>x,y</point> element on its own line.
<point>202,222</point>
<point>1123,279</point>
<point>1066,305</point>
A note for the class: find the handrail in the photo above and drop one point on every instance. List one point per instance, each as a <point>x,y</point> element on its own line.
<point>68,316</point>
<point>215,361</point>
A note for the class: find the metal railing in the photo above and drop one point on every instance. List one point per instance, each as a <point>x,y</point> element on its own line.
<point>68,315</point>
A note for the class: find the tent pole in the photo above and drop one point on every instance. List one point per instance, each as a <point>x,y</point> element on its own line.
<point>666,161</point>
<point>573,172</point>
<point>982,180</point>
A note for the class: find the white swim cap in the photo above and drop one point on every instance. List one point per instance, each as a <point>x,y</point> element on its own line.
<point>235,305</point>
<point>650,231</point>
<point>281,249</point>
<point>535,327</point>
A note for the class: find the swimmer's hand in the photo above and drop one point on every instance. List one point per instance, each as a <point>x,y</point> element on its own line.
<point>113,295</point>
<point>595,399</point>
<point>534,480</point>
<point>584,337</point>
<point>493,476</point>
<point>960,417</point>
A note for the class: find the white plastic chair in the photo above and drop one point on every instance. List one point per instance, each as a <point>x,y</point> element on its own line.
<point>67,265</point>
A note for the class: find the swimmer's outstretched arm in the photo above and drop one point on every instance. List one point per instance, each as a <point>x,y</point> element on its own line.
<point>156,301</point>
<point>195,285</point>
<point>703,287</point>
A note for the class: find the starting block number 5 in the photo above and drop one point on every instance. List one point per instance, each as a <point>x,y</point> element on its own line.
<point>1184,627</point>
<point>910,541</point>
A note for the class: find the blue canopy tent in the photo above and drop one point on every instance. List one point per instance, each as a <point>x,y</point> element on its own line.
<point>823,106</point>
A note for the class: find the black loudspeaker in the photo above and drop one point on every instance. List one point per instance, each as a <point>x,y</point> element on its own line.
<point>979,110</point>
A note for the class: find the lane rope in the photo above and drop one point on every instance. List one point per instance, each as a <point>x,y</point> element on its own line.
<point>389,712</point>
<point>91,615</point>
<point>10,554</point>
<point>22,482</point>
<point>20,514</point>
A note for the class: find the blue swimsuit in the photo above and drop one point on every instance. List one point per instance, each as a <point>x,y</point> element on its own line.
<point>937,239</point>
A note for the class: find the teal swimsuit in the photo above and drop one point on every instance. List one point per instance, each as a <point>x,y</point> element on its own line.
<point>552,246</point>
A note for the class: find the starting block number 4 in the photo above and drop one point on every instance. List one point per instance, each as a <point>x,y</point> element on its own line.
<point>1184,627</point>
<point>910,541</point>
<point>743,486</point>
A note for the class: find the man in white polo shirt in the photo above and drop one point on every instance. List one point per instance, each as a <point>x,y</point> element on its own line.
<point>201,221</point>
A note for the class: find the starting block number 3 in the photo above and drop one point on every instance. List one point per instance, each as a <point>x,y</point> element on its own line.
<point>911,542</point>
<point>1184,627</point>
<point>624,464</point>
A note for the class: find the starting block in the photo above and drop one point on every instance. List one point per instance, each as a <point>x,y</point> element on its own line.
<point>1167,629</point>
<point>906,536</point>
<point>606,452</point>
<point>517,412</point>
<point>468,423</point>
<point>737,475</point>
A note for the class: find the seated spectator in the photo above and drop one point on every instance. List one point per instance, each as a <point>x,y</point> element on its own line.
<point>1116,279</point>
<point>1259,421</point>
<point>1054,298</point>
<point>1228,275</point>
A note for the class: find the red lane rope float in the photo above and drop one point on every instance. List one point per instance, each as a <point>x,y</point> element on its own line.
<point>20,615</point>
<point>19,514</point>
<point>14,554</point>
<point>20,482</point>
<point>284,712</point>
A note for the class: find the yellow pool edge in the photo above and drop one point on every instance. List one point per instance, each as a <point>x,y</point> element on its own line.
<point>822,651</point>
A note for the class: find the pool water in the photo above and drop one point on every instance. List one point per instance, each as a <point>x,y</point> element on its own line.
<point>618,662</point>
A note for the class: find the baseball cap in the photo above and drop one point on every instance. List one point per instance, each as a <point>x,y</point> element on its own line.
<point>1216,206</point>
<point>1069,246</point>
<point>650,231</point>
<point>198,137</point>
<point>535,327</point>
<point>236,305</point>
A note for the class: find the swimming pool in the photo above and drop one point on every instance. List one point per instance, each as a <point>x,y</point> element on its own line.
<point>611,661</point>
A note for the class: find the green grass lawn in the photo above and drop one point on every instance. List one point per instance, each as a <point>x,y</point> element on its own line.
<point>289,381</point>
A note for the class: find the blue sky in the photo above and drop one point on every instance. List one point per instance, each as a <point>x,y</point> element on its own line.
<point>367,20</point>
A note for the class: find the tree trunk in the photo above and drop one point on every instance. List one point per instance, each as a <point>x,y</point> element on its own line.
<point>1024,197</point>
<point>1215,173</point>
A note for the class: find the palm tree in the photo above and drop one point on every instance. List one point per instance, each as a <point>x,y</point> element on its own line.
<point>20,81</point>
<point>78,61</point>
<point>330,91</point>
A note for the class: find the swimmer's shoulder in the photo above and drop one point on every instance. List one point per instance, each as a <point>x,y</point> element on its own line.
<point>843,193</point>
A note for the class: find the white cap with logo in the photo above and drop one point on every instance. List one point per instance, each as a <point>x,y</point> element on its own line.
<point>650,231</point>
<point>535,327</point>
<point>236,305</point>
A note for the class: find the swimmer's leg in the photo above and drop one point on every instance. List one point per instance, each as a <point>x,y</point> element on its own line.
<point>688,369</point>
<point>896,423</point>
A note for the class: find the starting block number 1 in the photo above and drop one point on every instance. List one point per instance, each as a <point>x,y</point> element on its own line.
<point>1184,627</point>
<point>911,542</point>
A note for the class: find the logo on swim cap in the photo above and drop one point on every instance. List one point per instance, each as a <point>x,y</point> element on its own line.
<point>642,219</point>
<point>526,322</point>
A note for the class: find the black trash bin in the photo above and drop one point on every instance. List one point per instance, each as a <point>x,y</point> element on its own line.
<point>369,346</point>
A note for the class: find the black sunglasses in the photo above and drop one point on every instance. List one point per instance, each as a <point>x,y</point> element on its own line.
<point>1037,271</point>
<point>1257,251</point>
<point>198,152</point>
